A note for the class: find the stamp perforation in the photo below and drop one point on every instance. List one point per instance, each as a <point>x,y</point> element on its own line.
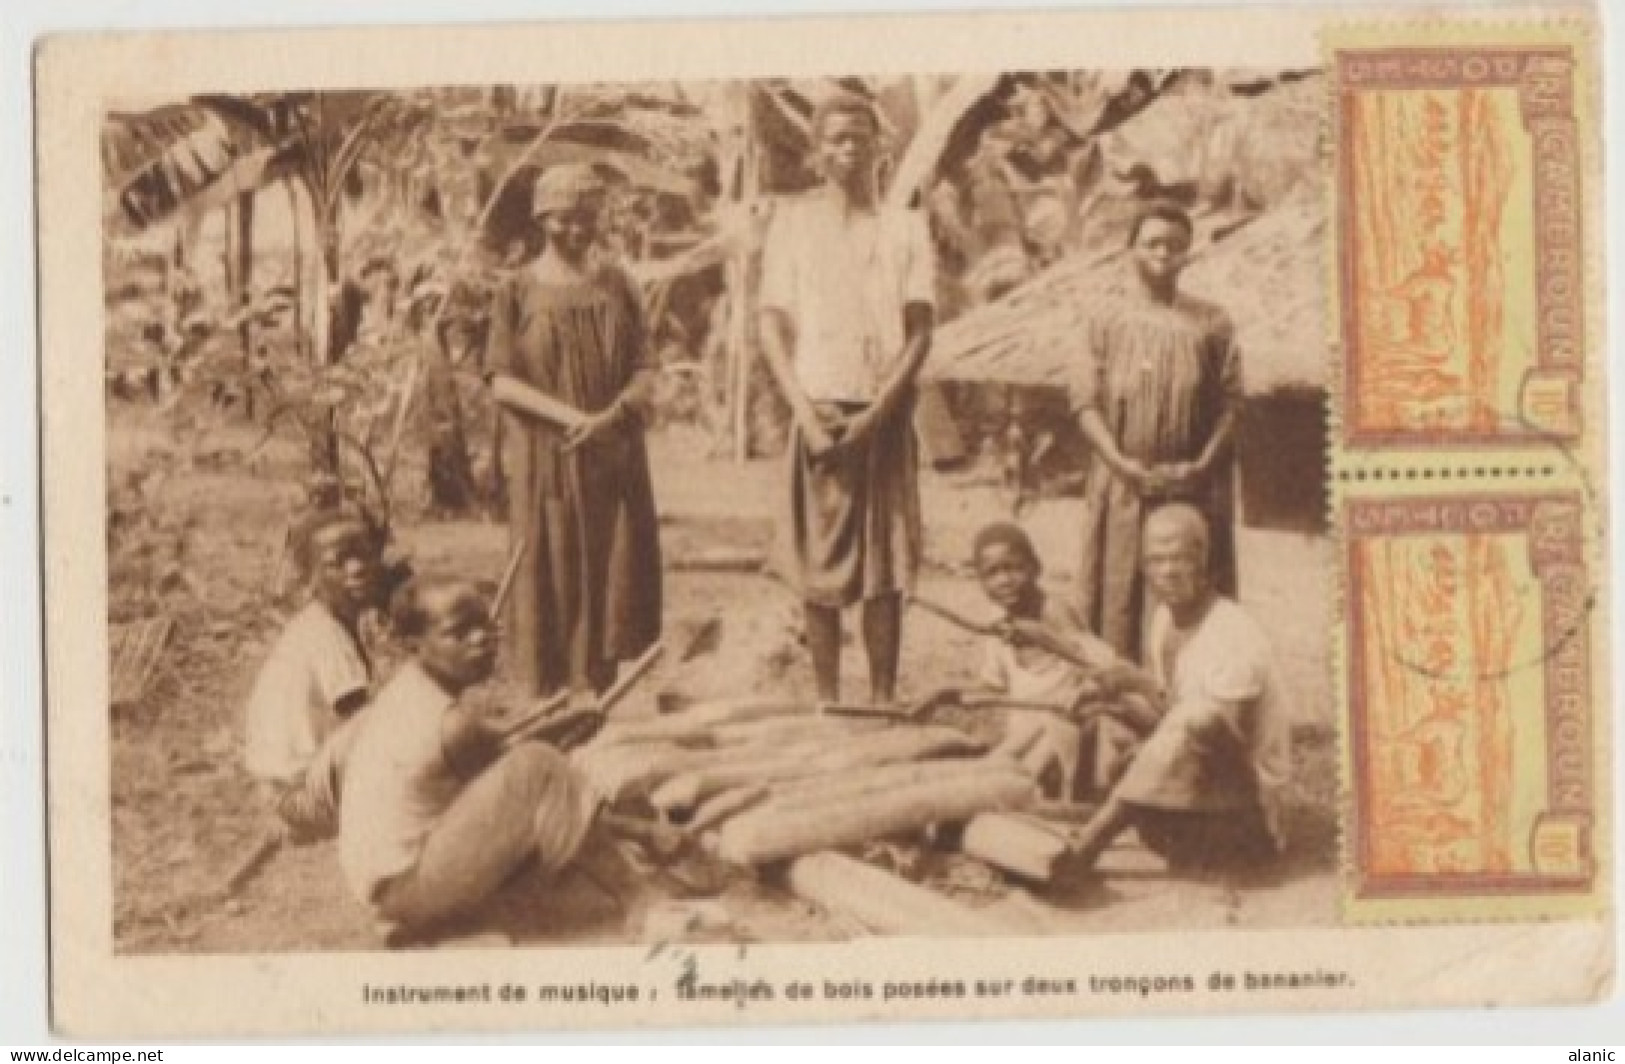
<point>1476,473</point>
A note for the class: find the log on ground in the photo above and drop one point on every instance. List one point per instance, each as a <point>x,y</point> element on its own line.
<point>1015,843</point>
<point>881,901</point>
<point>771,833</point>
<point>698,779</point>
<point>859,785</point>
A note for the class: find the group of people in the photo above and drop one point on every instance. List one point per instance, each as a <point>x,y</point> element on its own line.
<point>1168,711</point>
<point>1168,693</point>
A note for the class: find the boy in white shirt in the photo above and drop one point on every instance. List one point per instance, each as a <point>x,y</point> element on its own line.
<point>316,677</point>
<point>1099,716</point>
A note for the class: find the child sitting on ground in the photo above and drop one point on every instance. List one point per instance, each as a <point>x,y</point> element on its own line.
<point>439,809</point>
<point>316,676</point>
<point>1099,713</point>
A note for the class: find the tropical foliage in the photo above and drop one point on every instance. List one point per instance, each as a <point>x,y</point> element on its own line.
<point>363,337</point>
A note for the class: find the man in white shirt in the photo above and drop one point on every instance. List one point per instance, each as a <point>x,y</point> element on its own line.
<point>848,295</point>
<point>1203,790</point>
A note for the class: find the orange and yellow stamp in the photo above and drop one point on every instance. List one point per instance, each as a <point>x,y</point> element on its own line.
<point>1469,681</point>
<point>1462,246</point>
<point>1465,458</point>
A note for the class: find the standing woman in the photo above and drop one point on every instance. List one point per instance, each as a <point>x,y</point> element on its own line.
<point>568,329</point>
<point>1155,395</point>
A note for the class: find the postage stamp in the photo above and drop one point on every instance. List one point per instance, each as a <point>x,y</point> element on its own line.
<point>1472,725</point>
<point>1461,240</point>
<point>1467,469</point>
<point>961,517</point>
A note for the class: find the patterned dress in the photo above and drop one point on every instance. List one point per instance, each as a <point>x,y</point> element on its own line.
<point>1161,376</point>
<point>587,594</point>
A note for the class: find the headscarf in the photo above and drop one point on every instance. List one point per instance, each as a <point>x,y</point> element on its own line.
<point>565,187</point>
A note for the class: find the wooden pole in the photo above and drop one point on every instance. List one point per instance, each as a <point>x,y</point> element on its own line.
<point>295,225</point>
<point>500,599</point>
<point>738,364</point>
<point>739,281</point>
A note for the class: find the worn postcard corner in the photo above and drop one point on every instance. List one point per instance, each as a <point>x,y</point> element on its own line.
<point>1045,515</point>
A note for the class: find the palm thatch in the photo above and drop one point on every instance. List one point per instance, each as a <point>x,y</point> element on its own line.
<point>1239,149</point>
<point>1268,274</point>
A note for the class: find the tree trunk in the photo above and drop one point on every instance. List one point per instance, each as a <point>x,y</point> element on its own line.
<point>739,289</point>
<point>328,287</point>
<point>240,270</point>
<point>451,474</point>
<point>311,316</point>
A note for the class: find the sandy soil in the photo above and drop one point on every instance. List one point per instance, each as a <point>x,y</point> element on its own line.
<point>184,813</point>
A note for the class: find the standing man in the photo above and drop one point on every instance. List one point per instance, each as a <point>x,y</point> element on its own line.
<point>848,298</point>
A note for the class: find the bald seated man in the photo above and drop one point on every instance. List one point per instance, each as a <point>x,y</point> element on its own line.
<point>1202,789</point>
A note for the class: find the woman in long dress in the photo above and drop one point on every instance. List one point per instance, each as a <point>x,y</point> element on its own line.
<point>1155,396</point>
<point>587,592</point>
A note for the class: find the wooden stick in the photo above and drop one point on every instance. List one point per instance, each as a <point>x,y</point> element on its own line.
<point>794,729</point>
<point>721,560</point>
<point>1043,640</point>
<point>546,713</point>
<point>953,618</point>
<point>722,806</point>
<point>630,677</point>
<point>873,712</point>
<point>269,843</point>
<point>700,719</point>
<point>508,574</point>
<point>514,730</point>
<point>519,396</point>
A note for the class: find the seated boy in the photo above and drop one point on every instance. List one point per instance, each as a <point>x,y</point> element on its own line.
<point>1097,716</point>
<point>438,811</point>
<point>315,678</point>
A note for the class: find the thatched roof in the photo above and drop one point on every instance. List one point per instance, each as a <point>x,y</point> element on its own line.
<point>1269,275</point>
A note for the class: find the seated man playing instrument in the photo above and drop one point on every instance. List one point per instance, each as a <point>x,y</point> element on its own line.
<point>1203,789</point>
<point>440,807</point>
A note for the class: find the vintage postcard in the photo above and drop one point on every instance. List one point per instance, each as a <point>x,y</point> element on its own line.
<point>955,517</point>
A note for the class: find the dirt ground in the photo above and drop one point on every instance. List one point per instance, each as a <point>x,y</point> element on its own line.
<point>184,812</point>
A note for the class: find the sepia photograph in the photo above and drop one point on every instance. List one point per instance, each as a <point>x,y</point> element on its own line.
<point>765,510</point>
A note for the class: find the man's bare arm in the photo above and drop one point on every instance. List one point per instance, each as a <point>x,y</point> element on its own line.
<point>918,324</point>
<point>776,347</point>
